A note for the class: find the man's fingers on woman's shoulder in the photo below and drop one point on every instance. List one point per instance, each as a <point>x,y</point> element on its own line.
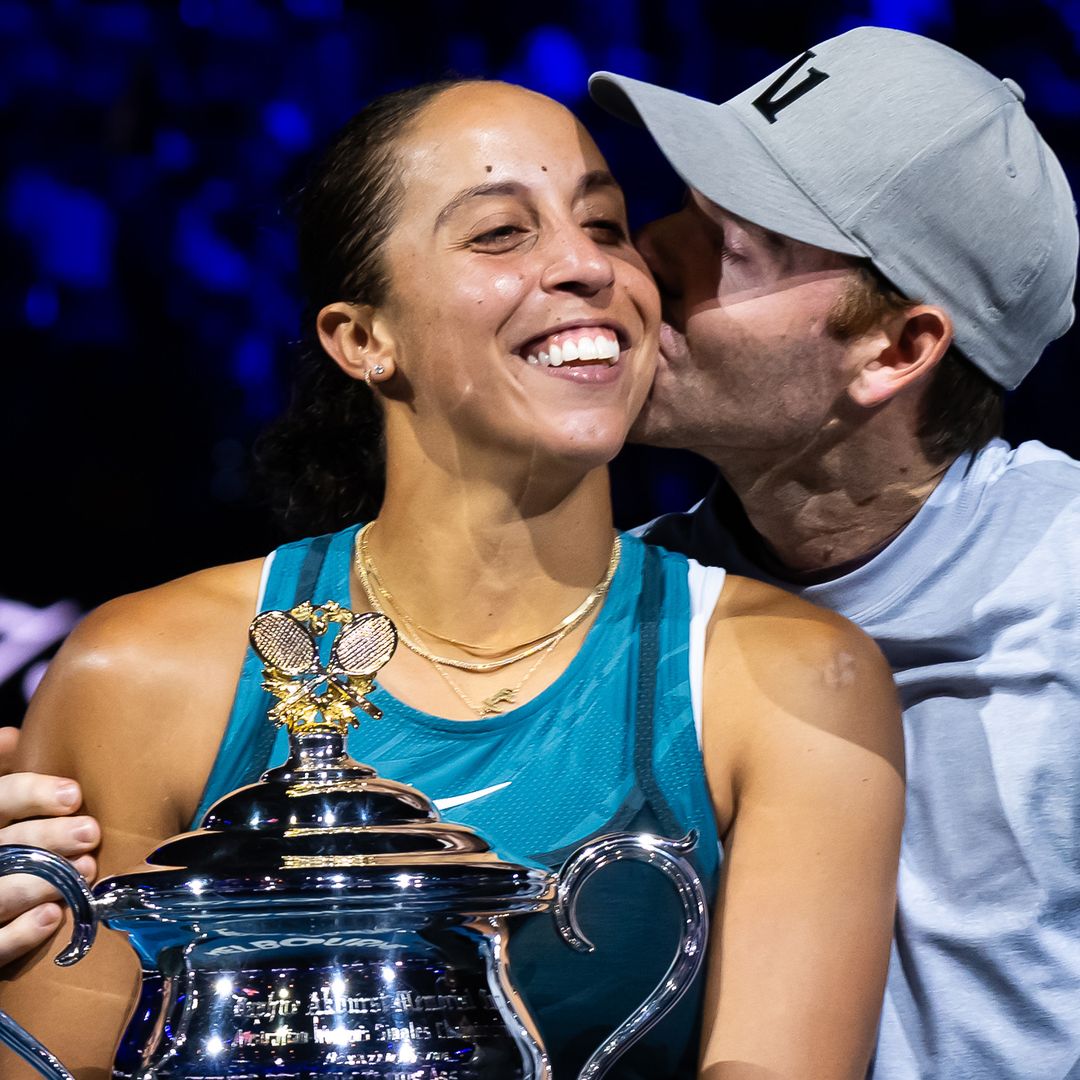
<point>20,893</point>
<point>66,836</point>
<point>87,867</point>
<point>28,931</point>
<point>24,795</point>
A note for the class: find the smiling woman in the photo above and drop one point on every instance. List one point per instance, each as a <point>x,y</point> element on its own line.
<point>490,325</point>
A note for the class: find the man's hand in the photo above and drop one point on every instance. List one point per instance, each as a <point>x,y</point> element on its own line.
<point>28,913</point>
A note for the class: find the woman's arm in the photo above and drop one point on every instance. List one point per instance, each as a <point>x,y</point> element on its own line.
<point>132,707</point>
<point>804,755</point>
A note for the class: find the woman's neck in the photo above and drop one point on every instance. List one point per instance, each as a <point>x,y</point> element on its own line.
<point>485,564</point>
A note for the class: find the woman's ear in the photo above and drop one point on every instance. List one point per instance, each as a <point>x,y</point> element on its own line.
<point>358,340</point>
<point>904,351</point>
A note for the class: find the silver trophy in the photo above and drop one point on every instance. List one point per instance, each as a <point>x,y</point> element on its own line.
<point>325,922</point>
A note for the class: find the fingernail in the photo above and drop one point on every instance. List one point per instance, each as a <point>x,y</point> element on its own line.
<point>48,914</point>
<point>68,794</point>
<point>85,833</point>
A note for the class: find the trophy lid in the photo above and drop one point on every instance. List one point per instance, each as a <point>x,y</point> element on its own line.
<point>322,821</point>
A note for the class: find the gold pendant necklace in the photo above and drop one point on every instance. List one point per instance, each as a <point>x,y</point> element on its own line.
<point>541,647</point>
<point>493,705</point>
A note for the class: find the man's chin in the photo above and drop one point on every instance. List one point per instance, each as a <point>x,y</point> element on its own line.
<point>653,427</point>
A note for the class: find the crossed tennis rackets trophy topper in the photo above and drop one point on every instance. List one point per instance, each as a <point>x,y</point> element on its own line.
<point>326,922</point>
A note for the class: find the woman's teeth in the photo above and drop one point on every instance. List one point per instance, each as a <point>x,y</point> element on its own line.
<point>600,347</point>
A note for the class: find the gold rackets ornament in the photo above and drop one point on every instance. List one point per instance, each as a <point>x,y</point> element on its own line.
<point>311,695</point>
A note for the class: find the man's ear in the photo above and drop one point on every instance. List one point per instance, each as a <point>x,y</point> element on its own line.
<point>358,340</point>
<point>904,351</point>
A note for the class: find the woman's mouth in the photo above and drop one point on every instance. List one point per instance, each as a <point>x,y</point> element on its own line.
<point>576,347</point>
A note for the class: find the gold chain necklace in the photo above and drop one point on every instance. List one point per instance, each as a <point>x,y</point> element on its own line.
<point>507,695</point>
<point>367,572</point>
<point>492,705</point>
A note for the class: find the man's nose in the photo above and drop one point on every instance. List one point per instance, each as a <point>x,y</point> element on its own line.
<point>658,243</point>
<point>578,264</point>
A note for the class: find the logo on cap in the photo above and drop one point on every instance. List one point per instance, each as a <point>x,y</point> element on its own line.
<point>771,106</point>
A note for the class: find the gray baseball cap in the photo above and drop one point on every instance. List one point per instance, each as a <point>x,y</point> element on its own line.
<point>892,147</point>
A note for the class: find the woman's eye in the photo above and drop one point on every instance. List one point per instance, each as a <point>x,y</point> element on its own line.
<point>611,231</point>
<point>503,236</point>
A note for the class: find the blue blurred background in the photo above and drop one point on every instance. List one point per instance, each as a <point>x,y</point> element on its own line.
<point>146,286</point>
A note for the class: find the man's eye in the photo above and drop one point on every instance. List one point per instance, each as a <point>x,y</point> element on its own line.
<point>723,247</point>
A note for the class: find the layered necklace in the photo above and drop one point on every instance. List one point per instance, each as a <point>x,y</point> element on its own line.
<point>382,600</point>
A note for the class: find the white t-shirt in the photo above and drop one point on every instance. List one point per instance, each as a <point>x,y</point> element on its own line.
<point>976,604</point>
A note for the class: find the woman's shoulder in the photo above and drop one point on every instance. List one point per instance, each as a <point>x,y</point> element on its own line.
<point>182,617</point>
<point>783,673</point>
<point>764,617</point>
<point>147,662</point>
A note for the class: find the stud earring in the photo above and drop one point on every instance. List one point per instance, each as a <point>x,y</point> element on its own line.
<point>373,373</point>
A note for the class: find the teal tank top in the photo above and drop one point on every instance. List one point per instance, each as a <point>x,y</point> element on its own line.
<point>611,745</point>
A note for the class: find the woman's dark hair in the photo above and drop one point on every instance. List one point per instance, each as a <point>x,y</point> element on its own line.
<point>323,463</point>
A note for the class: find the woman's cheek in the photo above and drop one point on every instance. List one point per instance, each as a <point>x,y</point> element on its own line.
<point>508,286</point>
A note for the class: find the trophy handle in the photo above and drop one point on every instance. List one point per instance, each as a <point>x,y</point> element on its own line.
<point>666,855</point>
<point>20,859</point>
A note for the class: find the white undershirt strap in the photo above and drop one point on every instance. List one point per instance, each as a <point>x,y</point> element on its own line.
<point>263,579</point>
<point>705,584</point>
